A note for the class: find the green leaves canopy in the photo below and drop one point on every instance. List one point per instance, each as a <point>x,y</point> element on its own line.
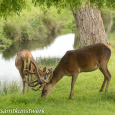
<point>11,6</point>
<point>15,6</point>
<point>75,3</point>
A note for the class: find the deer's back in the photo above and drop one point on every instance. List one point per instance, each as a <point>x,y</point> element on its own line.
<point>85,59</point>
<point>23,59</point>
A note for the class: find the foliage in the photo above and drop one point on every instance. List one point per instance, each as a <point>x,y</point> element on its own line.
<point>4,43</point>
<point>29,25</point>
<point>59,4</point>
<point>11,30</point>
<point>67,24</point>
<point>7,7</point>
<point>104,3</point>
<point>35,28</point>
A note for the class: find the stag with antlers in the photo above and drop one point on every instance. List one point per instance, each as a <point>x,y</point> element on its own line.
<point>86,59</point>
<point>26,65</point>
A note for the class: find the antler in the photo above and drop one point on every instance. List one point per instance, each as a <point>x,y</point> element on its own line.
<point>39,88</point>
<point>36,72</point>
<point>39,80</point>
<point>50,72</point>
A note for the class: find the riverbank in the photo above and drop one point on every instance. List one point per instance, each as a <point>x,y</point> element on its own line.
<point>86,100</point>
<point>32,24</point>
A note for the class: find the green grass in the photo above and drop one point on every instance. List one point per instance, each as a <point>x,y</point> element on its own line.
<point>87,100</point>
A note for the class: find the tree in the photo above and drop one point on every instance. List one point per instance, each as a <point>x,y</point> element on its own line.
<point>86,14</point>
<point>7,7</point>
<point>87,17</point>
<point>90,25</point>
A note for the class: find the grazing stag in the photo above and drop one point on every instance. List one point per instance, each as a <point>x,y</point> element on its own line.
<point>86,59</point>
<point>26,65</point>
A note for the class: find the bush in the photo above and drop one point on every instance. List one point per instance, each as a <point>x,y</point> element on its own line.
<point>38,27</point>
<point>51,25</point>
<point>11,31</point>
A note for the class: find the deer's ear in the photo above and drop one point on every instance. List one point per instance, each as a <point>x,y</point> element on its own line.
<point>44,69</point>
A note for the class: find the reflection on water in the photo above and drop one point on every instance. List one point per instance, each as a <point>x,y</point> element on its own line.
<point>31,45</point>
<point>56,49</point>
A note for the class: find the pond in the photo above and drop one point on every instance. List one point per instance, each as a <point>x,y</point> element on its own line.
<point>58,48</point>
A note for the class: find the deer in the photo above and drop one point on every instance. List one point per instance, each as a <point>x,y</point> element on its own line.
<point>86,59</point>
<point>26,65</point>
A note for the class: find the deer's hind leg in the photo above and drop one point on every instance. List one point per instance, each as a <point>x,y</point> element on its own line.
<point>23,81</point>
<point>107,77</point>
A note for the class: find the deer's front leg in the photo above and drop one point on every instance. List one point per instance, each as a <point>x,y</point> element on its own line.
<point>74,77</point>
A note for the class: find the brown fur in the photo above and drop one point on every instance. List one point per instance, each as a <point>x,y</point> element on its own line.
<point>22,62</point>
<point>109,47</point>
<point>86,59</point>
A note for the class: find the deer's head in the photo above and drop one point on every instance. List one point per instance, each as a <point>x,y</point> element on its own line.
<point>45,81</point>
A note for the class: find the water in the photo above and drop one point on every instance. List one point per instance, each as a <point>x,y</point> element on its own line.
<point>58,48</point>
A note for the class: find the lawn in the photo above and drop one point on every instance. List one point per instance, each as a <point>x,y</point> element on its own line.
<point>87,100</point>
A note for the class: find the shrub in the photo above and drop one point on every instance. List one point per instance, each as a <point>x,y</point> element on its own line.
<point>35,28</point>
<point>38,27</point>
<point>51,24</point>
<point>11,31</point>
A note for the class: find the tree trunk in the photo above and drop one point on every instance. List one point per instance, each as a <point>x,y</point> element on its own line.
<point>90,25</point>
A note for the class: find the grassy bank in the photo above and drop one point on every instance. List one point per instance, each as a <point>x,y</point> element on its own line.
<point>87,99</point>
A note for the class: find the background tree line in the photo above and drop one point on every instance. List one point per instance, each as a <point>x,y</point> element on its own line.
<point>86,14</point>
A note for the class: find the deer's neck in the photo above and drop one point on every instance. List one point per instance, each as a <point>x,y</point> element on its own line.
<point>57,75</point>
